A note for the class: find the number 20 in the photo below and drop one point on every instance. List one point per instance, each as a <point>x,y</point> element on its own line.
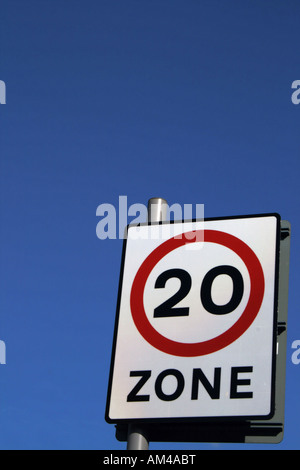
<point>167,309</point>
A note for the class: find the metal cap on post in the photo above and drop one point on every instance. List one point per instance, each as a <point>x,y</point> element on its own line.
<point>157,209</point>
<point>137,436</point>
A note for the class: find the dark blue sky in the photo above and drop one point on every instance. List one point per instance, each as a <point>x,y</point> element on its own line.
<point>187,100</point>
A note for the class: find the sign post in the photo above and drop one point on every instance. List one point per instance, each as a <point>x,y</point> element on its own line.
<point>137,436</point>
<point>197,331</point>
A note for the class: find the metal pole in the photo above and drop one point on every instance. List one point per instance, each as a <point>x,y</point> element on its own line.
<point>157,209</point>
<point>137,436</point>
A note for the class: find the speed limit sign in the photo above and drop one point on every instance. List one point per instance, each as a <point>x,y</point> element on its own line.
<point>196,317</point>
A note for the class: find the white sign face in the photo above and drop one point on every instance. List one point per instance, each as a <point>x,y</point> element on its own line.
<point>196,321</point>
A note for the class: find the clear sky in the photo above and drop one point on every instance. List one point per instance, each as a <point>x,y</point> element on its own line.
<point>186,100</point>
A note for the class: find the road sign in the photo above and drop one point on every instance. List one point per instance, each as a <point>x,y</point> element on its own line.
<point>196,323</point>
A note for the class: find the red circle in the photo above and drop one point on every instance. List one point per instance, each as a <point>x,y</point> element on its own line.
<point>257,287</point>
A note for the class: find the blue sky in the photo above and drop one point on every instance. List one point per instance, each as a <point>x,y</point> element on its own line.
<point>186,100</point>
